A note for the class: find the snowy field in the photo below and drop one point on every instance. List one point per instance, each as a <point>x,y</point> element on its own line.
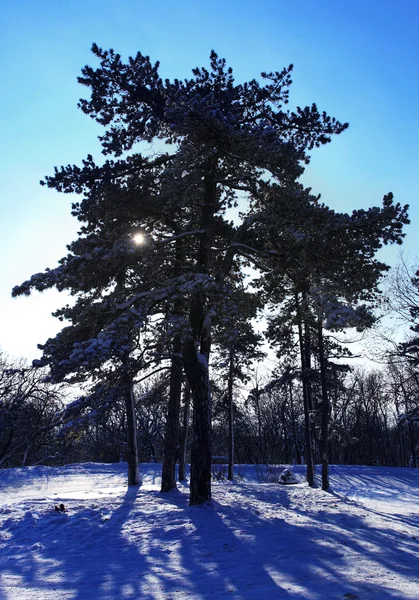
<point>256,541</point>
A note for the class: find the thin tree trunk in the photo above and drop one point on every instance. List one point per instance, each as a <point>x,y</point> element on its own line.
<point>399,436</point>
<point>230,474</point>
<point>412,461</point>
<point>132,449</point>
<point>294,433</point>
<point>324,435</point>
<point>25,456</point>
<point>168,479</point>
<point>185,433</point>
<point>308,454</point>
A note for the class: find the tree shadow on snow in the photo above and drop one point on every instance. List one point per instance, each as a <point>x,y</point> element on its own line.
<point>248,543</point>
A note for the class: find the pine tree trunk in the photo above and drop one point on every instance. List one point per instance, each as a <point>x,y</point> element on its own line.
<point>132,450</point>
<point>308,454</point>
<point>196,351</point>
<point>412,460</point>
<point>325,411</point>
<point>185,433</point>
<point>168,479</point>
<point>230,474</point>
<point>294,432</point>
<point>196,368</point>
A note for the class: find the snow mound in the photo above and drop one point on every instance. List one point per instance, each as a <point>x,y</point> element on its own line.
<point>287,477</point>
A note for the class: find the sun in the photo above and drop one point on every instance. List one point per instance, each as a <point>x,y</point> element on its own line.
<point>139,239</point>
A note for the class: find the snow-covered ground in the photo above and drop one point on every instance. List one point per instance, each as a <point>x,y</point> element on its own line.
<point>256,541</point>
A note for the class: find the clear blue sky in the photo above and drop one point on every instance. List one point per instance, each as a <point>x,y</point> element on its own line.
<point>357,59</point>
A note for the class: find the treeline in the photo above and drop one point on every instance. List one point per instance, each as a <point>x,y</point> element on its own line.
<point>373,421</point>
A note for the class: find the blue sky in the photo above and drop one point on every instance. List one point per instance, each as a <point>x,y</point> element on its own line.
<point>357,59</point>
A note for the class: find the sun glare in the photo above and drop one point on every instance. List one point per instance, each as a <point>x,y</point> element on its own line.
<point>139,238</point>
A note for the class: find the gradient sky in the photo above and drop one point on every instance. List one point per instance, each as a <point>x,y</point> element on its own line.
<point>357,59</point>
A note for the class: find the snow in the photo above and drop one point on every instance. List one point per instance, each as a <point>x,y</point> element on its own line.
<point>253,541</point>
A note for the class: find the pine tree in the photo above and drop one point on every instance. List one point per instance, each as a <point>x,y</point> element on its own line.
<point>326,263</point>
